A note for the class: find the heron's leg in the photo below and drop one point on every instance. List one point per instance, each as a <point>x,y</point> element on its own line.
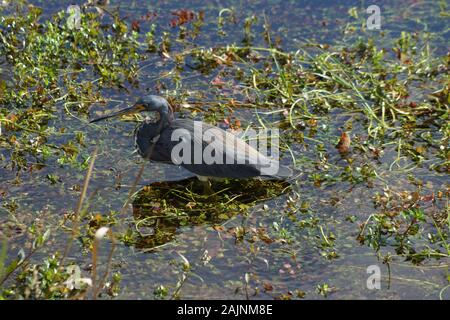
<point>206,185</point>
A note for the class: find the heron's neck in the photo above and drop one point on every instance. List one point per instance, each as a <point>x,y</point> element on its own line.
<point>166,117</point>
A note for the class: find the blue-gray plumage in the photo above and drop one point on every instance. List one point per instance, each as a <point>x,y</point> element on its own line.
<point>154,141</point>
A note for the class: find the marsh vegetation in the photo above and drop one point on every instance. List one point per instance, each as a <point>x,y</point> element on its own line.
<point>363,115</point>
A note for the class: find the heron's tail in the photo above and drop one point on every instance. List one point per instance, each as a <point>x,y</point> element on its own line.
<point>285,173</point>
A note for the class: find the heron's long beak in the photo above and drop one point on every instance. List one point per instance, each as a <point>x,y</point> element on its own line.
<point>130,110</point>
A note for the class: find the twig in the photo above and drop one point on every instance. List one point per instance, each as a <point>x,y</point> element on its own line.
<point>79,205</point>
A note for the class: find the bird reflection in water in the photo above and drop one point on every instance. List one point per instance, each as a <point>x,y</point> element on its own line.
<point>162,208</point>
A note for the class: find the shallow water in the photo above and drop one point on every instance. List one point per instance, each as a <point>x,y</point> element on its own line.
<point>294,260</point>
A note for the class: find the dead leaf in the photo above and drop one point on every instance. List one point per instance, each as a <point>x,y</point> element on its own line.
<point>267,286</point>
<point>218,228</point>
<point>135,25</point>
<point>190,205</point>
<point>343,145</point>
<point>182,16</point>
<point>217,81</point>
<point>428,198</point>
<point>164,54</point>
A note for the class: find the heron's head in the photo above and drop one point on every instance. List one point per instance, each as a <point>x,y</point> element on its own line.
<point>149,103</point>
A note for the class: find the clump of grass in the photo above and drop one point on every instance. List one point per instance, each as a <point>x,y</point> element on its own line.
<point>58,68</point>
<point>53,278</point>
<point>400,223</point>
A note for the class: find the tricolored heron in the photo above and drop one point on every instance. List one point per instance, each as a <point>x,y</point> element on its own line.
<point>154,140</point>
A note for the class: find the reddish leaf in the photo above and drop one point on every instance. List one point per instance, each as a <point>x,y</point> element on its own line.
<point>149,16</point>
<point>267,286</point>
<point>182,16</point>
<point>344,143</point>
<point>428,198</point>
<point>135,25</point>
<point>217,81</point>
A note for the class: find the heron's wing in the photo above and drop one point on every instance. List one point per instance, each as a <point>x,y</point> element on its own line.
<point>228,144</point>
<point>236,158</point>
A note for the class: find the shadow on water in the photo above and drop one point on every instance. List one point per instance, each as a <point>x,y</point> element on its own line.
<point>162,208</point>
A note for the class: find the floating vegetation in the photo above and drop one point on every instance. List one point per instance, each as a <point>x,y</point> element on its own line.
<point>187,198</point>
<point>363,117</point>
<point>412,223</point>
<point>162,207</point>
